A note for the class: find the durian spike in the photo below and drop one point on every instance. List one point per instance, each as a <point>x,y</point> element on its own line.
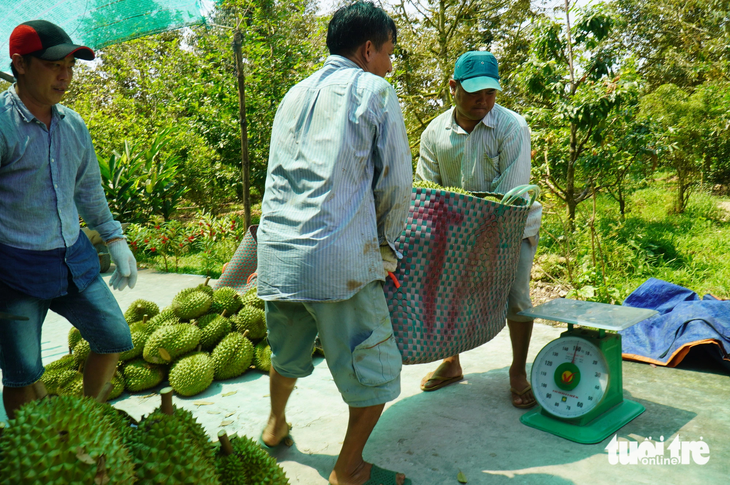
<point>226,447</point>
<point>101,477</point>
<point>104,393</point>
<point>166,395</point>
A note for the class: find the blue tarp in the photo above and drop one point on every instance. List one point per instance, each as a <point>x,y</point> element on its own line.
<point>684,320</point>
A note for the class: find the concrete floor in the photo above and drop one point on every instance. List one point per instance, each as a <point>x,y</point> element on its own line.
<point>469,427</point>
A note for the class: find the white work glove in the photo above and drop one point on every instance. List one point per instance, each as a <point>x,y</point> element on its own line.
<point>390,262</point>
<point>126,271</point>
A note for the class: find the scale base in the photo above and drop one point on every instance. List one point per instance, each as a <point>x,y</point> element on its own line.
<point>594,432</point>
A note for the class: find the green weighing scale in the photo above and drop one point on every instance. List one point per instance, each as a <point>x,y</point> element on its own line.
<point>576,378</point>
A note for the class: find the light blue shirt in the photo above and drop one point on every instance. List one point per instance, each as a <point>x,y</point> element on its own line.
<point>48,177</point>
<point>338,186</point>
<point>495,157</point>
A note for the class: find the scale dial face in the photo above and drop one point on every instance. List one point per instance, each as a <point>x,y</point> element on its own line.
<point>569,377</point>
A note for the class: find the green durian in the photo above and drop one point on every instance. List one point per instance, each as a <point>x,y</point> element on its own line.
<point>191,304</point>
<point>205,287</point>
<point>425,184</point>
<point>73,386</point>
<point>213,327</point>
<point>139,334</point>
<point>251,319</point>
<point>140,375</point>
<point>74,335</point>
<point>54,379</point>
<point>81,352</point>
<point>262,356</point>
<point>192,374</point>
<point>249,465</point>
<point>117,386</point>
<point>165,452</point>
<point>165,317</point>
<point>64,363</point>
<point>226,299</point>
<point>139,308</point>
<point>171,341</point>
<point>232,356</point>
<point>61,441</point>
<point>252,299</point>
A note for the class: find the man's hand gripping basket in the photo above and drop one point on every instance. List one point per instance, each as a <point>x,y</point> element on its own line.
<point>460,255</point>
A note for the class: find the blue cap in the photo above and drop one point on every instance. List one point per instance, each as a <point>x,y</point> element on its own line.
<point>477,70</point>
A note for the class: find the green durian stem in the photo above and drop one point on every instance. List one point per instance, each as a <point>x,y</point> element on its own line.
<point>224,313</point>
<point>104,393</point>
<point>245,333</point>
<point>166,395</point>
<point>226,447</point>
<point>144,319</point>
<point>206,281</point>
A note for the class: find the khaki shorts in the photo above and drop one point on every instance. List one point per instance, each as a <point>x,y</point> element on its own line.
<point>519,294</point>
<point>357,338</point>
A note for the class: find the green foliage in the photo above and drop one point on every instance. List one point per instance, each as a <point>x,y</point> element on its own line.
<point>186,79</point>
<point>607,264</point>
<point>142,182</point>
<point>200,246</point>
<point>577,95</point>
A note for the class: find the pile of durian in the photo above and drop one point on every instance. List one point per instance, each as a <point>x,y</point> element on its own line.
<point>204,335</point>
<point>68,440</point>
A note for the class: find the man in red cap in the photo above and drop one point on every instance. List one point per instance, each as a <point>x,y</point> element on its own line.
<point>49,176</point>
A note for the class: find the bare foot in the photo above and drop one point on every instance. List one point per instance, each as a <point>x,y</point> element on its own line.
<point>359,475</point>
<point>518,382</point>
<point>275,431</point>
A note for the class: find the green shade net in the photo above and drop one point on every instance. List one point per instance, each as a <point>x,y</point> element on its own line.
<point>98,23</point>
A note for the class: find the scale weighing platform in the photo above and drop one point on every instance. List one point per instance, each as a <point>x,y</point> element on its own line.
<point>577,378</point>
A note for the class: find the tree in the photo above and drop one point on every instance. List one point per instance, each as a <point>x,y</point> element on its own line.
<point>686,132</point>
<point>680,42</point>
<point>186,79</point>
<point>573,88</point>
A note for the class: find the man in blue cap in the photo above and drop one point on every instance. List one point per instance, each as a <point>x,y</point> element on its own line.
<point>481,146</point>
<point>49,176</point>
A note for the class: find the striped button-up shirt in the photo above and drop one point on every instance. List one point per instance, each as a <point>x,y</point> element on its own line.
<point>494,157</point>
<point>48,177</point>
<point>338,186</point>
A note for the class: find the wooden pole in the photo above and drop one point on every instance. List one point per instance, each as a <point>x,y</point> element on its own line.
<point>166,395</point>
<point>226,447</point>
<point>245,166</point>
<point>7,77</point>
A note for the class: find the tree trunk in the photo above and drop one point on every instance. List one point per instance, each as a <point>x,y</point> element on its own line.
<point>570,177</point>
<point>245,166</point>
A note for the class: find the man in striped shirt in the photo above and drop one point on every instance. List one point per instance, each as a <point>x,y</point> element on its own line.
<point>481,146</point>
<point>337,196</point>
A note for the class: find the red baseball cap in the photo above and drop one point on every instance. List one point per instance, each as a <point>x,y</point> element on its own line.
<point>45,40</point>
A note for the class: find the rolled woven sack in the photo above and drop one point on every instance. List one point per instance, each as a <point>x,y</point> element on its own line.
<point>242,265</point>
<point>460,256</point>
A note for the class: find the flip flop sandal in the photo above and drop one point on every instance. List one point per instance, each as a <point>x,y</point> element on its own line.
<point>523,405</point>
<point>381,476</point>
<point>440,381</point>
<point>287,441</point>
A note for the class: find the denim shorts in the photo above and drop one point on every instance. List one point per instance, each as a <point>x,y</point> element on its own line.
<point>94,311</point>
<point>357,338</point>
<point>519,294</point>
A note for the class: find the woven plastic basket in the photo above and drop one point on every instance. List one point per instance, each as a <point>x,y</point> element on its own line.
<point>460,255</point>
<point>242,265</point>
